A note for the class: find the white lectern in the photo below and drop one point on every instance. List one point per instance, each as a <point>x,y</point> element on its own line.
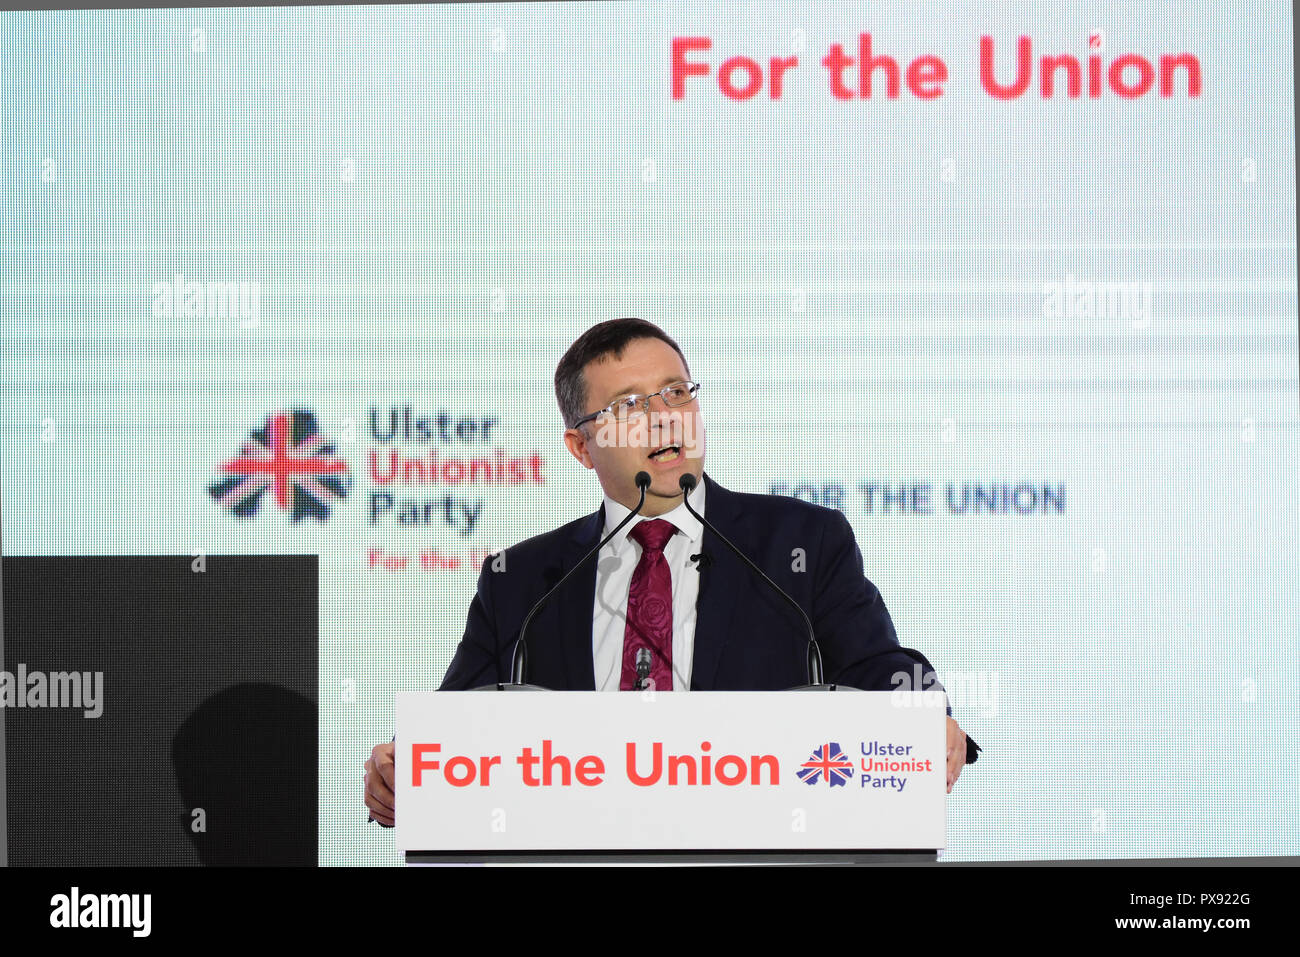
<point>726,777</point>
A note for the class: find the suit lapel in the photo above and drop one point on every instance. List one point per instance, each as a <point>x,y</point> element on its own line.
<point>721,582</point>
<point>576,607</point>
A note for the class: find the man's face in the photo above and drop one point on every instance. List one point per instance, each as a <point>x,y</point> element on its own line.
<point>617,452</point>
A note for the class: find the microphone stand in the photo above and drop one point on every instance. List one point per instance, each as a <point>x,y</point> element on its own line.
<point>687,482</point>
<point>519,658</point>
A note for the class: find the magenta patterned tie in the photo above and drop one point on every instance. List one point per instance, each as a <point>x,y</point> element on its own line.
<point>650,609</point>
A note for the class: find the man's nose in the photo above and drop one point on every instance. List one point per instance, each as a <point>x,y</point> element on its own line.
<point>664,417</point>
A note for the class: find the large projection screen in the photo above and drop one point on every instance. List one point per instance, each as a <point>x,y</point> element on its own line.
<point>1023,308</point>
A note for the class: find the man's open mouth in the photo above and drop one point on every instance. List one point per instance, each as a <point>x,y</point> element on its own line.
<point>667,453</point>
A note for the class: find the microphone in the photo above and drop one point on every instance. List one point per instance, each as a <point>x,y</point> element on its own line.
<point>687,483</point>
<point>519,660</point>
<point>642,667</point>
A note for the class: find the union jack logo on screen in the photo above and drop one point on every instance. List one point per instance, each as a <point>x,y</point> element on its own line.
<point>828,763</point>
<point>289,456</point>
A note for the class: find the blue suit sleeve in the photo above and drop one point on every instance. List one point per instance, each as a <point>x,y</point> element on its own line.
<point>478,658</point>
<point>860,647</point>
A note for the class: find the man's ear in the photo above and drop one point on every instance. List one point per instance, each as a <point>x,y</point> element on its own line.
<point>576,442</point>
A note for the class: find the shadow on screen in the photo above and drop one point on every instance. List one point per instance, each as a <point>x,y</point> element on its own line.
<point>245,763</point>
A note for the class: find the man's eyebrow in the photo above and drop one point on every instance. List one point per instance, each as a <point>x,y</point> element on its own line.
<point>631,390</point>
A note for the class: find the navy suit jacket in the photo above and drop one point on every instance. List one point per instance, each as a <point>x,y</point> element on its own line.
<point>746,637</point>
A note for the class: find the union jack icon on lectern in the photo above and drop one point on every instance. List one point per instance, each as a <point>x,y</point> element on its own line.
<point>828,763</point>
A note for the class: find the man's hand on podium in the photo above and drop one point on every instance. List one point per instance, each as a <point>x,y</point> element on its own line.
<point>379,782</point>
<point>956,752</point>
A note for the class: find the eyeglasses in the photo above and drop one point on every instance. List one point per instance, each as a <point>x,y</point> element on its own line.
<point>631,406</point>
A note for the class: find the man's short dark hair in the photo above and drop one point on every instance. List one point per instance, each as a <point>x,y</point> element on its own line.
<point>608,338</point>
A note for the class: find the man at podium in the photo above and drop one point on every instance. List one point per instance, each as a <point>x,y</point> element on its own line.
<point>665,603</point>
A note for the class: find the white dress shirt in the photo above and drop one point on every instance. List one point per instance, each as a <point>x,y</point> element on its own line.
<point>614,567</point>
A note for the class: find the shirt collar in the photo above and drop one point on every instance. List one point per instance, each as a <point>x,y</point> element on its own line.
<point>684,520</point>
